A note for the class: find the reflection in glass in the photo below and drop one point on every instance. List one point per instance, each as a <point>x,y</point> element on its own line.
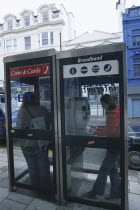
<point>82,103</point>
<point>20,86</point>
<point>92,109</point>
<point>32,171</point>
<point>31,112</point>
<point>83,165</point>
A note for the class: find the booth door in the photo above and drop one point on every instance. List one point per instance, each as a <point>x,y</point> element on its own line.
<point>31,135</point>
<point>91,161</point>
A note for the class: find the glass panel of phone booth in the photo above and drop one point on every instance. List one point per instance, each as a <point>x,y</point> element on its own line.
<point>83,109</point>
<point>31,121</point>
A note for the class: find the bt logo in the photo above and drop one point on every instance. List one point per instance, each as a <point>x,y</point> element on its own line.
<point>107,67</point>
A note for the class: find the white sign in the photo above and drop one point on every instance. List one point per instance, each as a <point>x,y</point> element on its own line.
<point>91,69</point>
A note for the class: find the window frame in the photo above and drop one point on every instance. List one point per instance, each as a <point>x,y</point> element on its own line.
<point>43,39</point>
<point>45,18</point>
<point>134,12</point>
<point>8,47</point>
<point>52,38</point>
<point>136,64</point>
<point>136,41</point>
<point>27,20</point>
<point>27,44</point>
<point>10,24</point>
<point>15,44</point>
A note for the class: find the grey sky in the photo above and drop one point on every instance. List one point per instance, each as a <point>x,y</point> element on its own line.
<point>89,15</point>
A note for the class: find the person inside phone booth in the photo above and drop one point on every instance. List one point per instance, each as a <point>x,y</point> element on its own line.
<point>33,116</point>
<point>109,166</point>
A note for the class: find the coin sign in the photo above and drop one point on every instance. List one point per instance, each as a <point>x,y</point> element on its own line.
<point>73,71</point>
<point>84,70</point>
<point>107,67</point>
<point>95,68</point>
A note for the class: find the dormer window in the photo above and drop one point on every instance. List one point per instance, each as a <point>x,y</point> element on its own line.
<point>135,12</point>
<point>45,17</point>
<point>55,14</point>
<point>27,20</point>
<point>10,24</point>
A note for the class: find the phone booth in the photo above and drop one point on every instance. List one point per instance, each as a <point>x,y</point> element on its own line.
<point>92,126</point>
<point>31,121</point>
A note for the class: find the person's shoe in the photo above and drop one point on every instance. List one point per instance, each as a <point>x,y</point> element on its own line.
<point>108,197</point>
<point>90,195</point>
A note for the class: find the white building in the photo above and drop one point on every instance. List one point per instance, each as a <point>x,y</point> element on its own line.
<point>35,32</point>
<point>120,6</point>
<point>94,39</point>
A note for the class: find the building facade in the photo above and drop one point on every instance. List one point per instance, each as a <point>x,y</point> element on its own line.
<point>131,33</point>
<point>95,39</point>
<point>52,25</point>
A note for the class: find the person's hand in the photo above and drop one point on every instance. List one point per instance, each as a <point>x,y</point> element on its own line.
<point>93,129</point>
<point>91,142</point>
<point>94,126</point>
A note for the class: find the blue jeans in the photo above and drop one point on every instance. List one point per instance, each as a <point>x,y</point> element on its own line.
<point>38,167</point>
<point>109,167</point>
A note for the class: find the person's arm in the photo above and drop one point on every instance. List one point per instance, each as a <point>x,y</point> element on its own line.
<point>112,126</point>
<point>23,119</point>
<point>47,117</point>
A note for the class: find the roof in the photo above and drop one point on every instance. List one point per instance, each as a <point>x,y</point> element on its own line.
<point>94,37</point>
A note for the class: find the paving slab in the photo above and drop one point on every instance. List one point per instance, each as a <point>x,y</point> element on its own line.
<point>5,183</point>
<point>3,193</point>
<point>20,198</point>
<point>84,207</point>
<point>134,202</point>
<point>133,178</point>
<point>132,173</point>
<point>135,187</point>
<point>11,205</point>
<point>4,174</point>
<point>38,204</point>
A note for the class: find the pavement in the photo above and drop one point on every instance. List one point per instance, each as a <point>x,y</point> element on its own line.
<point>29,200</point>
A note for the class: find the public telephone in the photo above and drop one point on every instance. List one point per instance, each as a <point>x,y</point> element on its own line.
<point>77,111</point>
<point>71,91</point>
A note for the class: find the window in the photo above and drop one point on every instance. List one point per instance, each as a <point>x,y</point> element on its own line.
<point>27,43</point>
<point>45,38</point>
<point>45,16</point>
<point>55,14</point>
<point>27,20</point>
<point>38,40</point>
<point>51,38</point>
<point>15,44</point>
<point>135,32</point>
<point>135,12</point>
<point>136,67</point>
<point>10,24</point>
<point>136,40</point>
<point>9,45</point>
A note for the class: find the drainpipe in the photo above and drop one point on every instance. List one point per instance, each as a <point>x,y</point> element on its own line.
<point>60,41</point>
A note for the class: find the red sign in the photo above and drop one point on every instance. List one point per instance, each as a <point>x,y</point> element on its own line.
<point>29,71</point>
